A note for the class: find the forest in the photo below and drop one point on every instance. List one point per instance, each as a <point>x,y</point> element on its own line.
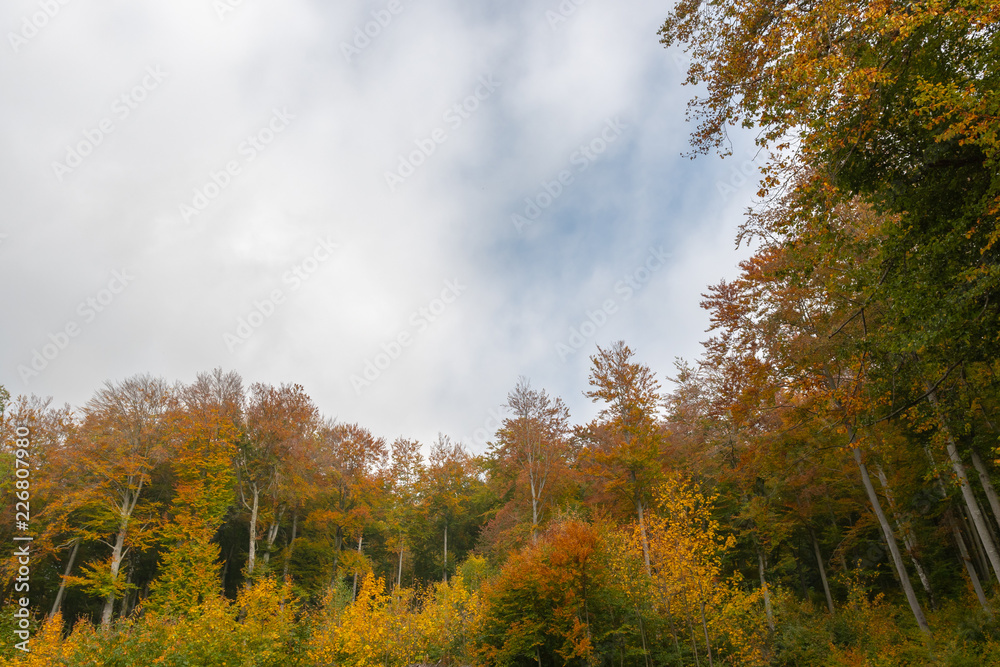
<point>818,488</point>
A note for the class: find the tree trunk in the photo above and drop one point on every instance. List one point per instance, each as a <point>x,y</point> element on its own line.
<point>126,601</point>
<point>272,536</point>
<point>291,546</point>
<point>977,586</point>
<point>116,563</point>
<point>534,510</point>
<point>399,577</point>
<point>909,541</point>
<point>354,594</point>
<point>989,546</point>
<point>768,611</point>
<point>225,567</point>
<point>61,594</point>
<point>252,558</point>
<point>704,625</point>
<point>890,539</point>
<point>642,635</point>
<point>129,501</point>
<point>822,571</point>
<point>445,579</point>
<point>694,644</point>
<point>642,534</point>
<point>338,540</point>
<point>977,545</point>
<point>984,479</point>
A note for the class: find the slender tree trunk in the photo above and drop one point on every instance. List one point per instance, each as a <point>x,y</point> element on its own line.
<point>897,559</point>
<point>977,586</point>
<point>123,612</point>
<point>642,635</point>
<point>61,594</point>
<point>822,571</point>
<point>399,577</point>
<point>272,534</point>
<point>338,540</point>
<point>989,546</point>
<point>768,611</point>
<point>445,578</point>
<point>252,558</point>
<point>694,643</point>
<point>984,479</point>
<point>116,563</point>
<point>642,533</point>
<point>704,626</point>
<point>977,545</point>
<point>673,632</point>
<point>291,546</point>
<point>354,595</point>
<point>963,551</point>
<point>886,552</point>
<point>909,541</point>
<point>225,567</point>
<point>957,531</point>
<point>534,510</point>
<point>799,570</point>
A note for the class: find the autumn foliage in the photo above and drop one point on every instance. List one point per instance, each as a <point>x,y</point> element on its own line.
<point>818,488</point>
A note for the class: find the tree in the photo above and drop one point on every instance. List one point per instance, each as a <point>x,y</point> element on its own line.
<point>534,439</point>
<point>447,490</point>
<point>623,444</point>
<point>278,424</point>
<point>404,476</point>
<point>350,466</point>
<point>789,316</point>
<point>554,602</point>
<point>121,440</point>
<point>202,449</point>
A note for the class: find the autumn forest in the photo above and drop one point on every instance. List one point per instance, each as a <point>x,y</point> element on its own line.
<point>818,488</point>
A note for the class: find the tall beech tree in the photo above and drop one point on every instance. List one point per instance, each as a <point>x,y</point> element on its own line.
<point>350,468</point>
<point>623,445</point>
<point>534,439</point>
<point>121,440</point>
<point>403,480</point>
<point>278,421</point>
<point>202,448</point>
<point>447,491</point>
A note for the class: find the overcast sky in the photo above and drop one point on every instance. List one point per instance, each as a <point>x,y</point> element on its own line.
<point>401,205</point>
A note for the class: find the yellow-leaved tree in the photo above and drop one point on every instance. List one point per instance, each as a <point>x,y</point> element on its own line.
<point>709,617</point>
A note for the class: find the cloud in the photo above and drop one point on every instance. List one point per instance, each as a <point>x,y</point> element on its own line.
<point>506,96</point>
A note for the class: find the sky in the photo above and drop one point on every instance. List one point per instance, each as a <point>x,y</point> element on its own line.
<point>401,205</point>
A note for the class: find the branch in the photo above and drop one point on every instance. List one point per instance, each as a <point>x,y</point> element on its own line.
<point>919,398</point>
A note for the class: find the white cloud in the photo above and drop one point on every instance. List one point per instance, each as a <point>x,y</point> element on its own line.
<point>324,176</point>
